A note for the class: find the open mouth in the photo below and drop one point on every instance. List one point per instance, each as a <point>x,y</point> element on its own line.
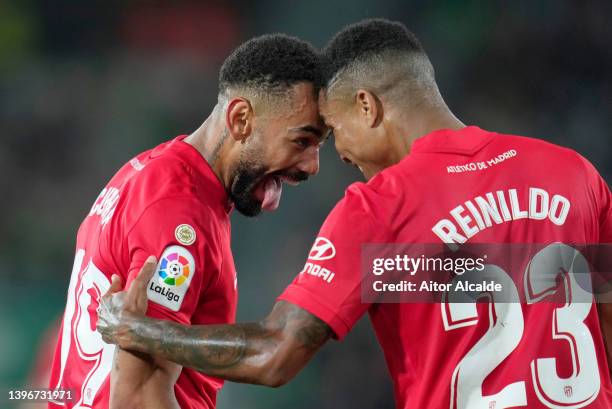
<point>289,180</point>
<point>270,190</point>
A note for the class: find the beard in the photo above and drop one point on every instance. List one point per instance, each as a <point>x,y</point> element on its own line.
<point>249,174</point>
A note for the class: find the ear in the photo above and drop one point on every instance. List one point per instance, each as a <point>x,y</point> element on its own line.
<point>239,118</point>
<point>369,107</point>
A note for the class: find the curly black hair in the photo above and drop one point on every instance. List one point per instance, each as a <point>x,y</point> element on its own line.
<point>273,62</point>
<point>364,39</point>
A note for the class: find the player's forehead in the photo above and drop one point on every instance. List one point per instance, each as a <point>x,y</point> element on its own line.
<point>327,108</point>
<point>302,96</point>
<point>302,108</point>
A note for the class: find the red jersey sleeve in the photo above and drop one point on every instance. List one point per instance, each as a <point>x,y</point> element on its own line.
<point>329,286</point>
<point>176,232</point>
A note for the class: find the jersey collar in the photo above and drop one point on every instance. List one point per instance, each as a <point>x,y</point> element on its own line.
<point>465,141</point>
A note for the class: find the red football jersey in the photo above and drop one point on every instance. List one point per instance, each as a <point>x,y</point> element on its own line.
<point>440,355</point>
<point>169,203</point>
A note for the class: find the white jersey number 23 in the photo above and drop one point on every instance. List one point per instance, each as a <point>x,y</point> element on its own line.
<point>505,333</point>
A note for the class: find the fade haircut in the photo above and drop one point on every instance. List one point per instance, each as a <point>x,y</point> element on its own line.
<point>383,57</point>
<point>269,66</point>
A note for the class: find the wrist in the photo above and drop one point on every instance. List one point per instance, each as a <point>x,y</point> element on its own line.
<point>127,332</point>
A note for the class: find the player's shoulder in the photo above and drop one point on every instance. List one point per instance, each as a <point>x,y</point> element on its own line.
<point>538,146</point>
<point>388,185</point>
<point>371,200</point>
<point>170,180</point>
<point>547,152</point>
<point>164,174</point>
<point>172,169</point>
<point>355,215</point>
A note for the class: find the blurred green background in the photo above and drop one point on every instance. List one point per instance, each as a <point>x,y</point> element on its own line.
<point>86,85</point>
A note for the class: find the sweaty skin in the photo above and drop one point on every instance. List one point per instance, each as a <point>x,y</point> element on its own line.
<point>269,352</point>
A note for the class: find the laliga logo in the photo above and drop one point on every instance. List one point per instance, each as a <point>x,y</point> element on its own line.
<point>174,273</point>
<point>322,249</point>
<point>174,269</point>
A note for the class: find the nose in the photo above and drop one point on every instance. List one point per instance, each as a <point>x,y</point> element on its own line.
<point>310,162</point>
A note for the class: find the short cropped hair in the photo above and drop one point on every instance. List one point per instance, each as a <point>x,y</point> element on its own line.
<point>382,53</point>
<point>271,63</point>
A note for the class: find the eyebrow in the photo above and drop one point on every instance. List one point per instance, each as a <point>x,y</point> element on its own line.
<point>310,129</point>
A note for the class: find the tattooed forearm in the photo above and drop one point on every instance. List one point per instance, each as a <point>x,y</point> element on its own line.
<point>205,348</point>
<point>310,331</point>
<point>269,352</point>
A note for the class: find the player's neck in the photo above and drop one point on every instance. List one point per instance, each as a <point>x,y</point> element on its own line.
<point>209,139</point>
<point>416,124</point>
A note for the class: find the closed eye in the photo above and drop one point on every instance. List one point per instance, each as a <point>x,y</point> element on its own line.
<point>303,143</point>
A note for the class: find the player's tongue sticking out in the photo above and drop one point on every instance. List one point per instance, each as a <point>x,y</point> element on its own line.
<point>269,191</point>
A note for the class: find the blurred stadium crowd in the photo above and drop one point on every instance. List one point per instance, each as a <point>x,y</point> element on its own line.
<point>87,85</point>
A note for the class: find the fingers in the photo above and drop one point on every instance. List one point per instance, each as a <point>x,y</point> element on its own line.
<point>101,325</point>
<point>116,285</point>
<point>105,328</point>
<point>139,285</point>
<point>114,304</point>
